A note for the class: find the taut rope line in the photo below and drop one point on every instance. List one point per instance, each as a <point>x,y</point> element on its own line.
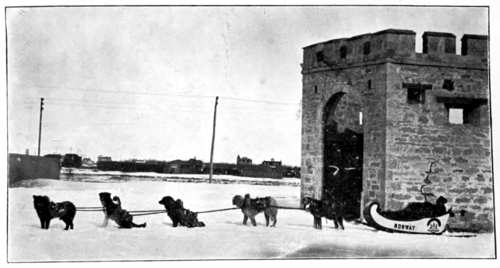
<point>159,211</point>
<point>216,210</point>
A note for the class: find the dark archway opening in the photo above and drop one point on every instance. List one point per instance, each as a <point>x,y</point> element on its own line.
<point>343,154</point>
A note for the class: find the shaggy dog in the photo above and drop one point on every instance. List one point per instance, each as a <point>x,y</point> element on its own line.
<point>178,214</point>
<point>115,212</point>
<point>47,210</point>
<point>251,207</point>
<point>324,208</point>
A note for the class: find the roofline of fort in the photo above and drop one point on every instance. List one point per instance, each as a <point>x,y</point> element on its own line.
<point>386,31</point>
<point>405,61</point>
<point>398,46</point>
<point>438,34</point>
<point>425,36</point>
<point>475,36</point>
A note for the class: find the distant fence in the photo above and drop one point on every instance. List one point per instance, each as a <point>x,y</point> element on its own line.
<point>24,167</point>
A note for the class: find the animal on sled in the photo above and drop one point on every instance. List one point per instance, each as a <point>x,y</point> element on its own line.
<point>250,207</point>
<point>180,215</point>
<point>415,218</point>
<point>47,210</point>
<point>113,210</point>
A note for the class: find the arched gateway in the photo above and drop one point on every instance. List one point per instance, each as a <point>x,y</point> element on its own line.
<point>343,152</point>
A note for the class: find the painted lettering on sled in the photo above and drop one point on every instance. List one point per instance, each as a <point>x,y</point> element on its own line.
<point>404,227</point>
<point>428,225</point>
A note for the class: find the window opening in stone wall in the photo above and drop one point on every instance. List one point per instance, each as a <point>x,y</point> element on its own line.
<point>416,95</point>
<point>416,92</point>
<point>315,89</point>
<point>366,48</point>
<point>319,56</point>
<point>448,84</point>
<point>360,118</point>
<point>343,52</point>
<point>464,110</point>
<point>456,116</point>
<point>369,84</point>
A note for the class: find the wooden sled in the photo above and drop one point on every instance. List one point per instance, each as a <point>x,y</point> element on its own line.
<point>434,225</point>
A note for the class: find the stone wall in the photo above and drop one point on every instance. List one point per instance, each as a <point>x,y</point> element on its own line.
<point>417,133</point>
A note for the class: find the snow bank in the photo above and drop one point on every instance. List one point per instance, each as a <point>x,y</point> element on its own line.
<point>223,238</point>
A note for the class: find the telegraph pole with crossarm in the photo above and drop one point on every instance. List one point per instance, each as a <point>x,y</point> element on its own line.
<point>40,125</point>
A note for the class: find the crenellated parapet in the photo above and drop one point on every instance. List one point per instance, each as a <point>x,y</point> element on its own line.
<point>394,45</point>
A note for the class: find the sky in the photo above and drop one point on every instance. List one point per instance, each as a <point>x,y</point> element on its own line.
<point>140,82</point>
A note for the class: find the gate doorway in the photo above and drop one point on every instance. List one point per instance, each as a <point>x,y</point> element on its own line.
<point>343,154</point>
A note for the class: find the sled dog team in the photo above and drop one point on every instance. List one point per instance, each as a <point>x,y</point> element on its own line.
<point>250,207</point>
<point>180,216</point>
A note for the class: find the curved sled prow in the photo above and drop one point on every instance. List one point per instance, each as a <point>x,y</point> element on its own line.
<point>434,225</point>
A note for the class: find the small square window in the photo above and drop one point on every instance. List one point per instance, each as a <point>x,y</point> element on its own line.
<point>416,95</point>
<point>448,84</point>
<point>456,116</point>
<point>416,92</point>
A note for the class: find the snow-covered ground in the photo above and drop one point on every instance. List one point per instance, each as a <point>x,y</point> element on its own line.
<point>89,175</point>
<point>224,237</point>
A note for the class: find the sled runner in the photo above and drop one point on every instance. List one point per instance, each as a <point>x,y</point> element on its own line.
<point>428,225</point>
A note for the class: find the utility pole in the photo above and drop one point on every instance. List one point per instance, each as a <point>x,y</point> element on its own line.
<point>40,125</point>
<point>213,139</point>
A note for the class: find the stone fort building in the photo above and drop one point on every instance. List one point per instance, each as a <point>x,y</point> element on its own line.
<point>376,113</point>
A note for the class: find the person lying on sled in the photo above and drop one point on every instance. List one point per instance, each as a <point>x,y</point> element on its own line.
<point>418,210</point>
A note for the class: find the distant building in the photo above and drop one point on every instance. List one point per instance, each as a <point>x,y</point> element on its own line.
<point>272,163</point>
<point>268,169</point>
<point>243,160</point>
<point>260,171</point>
<point>191,166</point>
<point>102,158</point>
<point>291,172</point>
<point>72,160</point>
<point>88,163</point>
<point>109,165</point>
<point>222,169</point>
<point>55,156</point>
<point>140,161</point>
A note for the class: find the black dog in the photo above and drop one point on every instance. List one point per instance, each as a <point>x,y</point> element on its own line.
<point>178,214</point>
<point>324,208</point>
<point>115,212</point>
<point>47,210</point>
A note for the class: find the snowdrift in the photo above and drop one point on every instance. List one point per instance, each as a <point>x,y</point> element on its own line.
<point>224,237</point>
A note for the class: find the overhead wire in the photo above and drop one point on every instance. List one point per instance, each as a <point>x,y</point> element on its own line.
<point>149,93</point>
